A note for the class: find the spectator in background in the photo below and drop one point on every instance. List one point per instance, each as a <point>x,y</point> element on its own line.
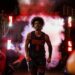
<point>13,58</point>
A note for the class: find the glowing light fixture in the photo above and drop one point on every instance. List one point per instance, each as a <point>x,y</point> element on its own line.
<point>69,21</point>
<point>8,44</point>
<point>69,46</point>
<point>10,21</point>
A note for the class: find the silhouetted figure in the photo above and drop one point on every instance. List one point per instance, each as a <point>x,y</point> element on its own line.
<point>34,46</point>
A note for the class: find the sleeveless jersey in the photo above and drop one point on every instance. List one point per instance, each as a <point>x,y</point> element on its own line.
<point>37,49</point>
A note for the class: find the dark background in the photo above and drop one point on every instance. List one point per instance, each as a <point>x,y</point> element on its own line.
<point>11,6</point>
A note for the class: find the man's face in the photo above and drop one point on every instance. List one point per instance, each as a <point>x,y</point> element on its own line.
<point>37,25</point>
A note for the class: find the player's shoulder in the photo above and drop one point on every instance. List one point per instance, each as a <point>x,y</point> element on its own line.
<point>30,33</point>
<point>45,34</point>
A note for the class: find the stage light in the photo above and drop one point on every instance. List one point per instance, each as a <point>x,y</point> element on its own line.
<point>8,44</point>
<point>24,1</point>
<point>10,21</point>
<point>69,43</point>
<point>69,49</point>
<point>69,22</point>
<point>69,46</point>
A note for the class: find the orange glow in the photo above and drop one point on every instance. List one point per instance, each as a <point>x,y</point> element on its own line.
<point>69,49</point>
<point>70,43</point>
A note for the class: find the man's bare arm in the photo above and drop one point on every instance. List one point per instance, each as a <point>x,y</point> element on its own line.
<point>49,45</point>
<point>26,46</point>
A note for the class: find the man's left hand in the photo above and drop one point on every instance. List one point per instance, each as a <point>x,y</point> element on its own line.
<point>49,60</point>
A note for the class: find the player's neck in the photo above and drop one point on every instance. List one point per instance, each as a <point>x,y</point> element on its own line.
<point>38,33</point>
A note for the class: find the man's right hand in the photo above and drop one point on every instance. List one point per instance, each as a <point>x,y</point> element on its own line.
<point>28,58</point>
<point>49,60</point>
